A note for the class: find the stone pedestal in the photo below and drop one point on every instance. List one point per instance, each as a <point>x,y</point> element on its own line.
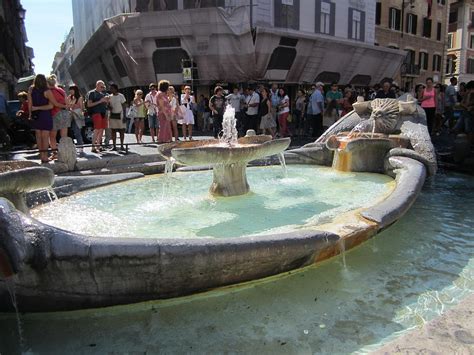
<point>230,179</point>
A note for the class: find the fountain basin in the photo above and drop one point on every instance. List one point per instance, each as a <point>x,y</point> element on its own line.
<point>64,270</point>
<point>229,160</point>
<point>56,269</point>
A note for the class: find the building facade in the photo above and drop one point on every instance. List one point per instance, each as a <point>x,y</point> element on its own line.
<point>63,60</point>
<point>15,56</point>
<point>419,28</point>
<point>460,43</point>
<point>230,41</point>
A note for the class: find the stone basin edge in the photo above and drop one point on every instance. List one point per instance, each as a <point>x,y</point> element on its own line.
<point>59,270</point>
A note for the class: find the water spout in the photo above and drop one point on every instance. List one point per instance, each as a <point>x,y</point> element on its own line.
<point>11,290</point>
<point>229,127</point>
<point>342,250</point>
<point>281,158</point>
<point>169,165</point>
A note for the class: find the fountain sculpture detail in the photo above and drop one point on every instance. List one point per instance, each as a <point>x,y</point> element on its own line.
<point>228,155</point>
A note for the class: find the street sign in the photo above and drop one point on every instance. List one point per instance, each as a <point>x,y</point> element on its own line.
<point>187,74</point>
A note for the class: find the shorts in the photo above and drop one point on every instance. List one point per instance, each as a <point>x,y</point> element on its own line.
<point>153,121</point>
<point>100,121</point>
<point>61,120</point>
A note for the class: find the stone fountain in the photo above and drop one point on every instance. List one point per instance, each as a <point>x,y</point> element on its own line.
<point>56,269</point>
<point>228,155</point>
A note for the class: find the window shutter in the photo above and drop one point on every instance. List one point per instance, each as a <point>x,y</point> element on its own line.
<point>362,26</point>
<point>333,20</point>
<point>349,28</point>
<point>317,19</point>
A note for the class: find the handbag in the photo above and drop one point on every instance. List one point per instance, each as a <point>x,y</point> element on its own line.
<point>115,116</point>
<point>132,112</point>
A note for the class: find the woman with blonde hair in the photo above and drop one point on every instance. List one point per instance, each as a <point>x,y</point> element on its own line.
<point>61,114</point>
<point>140,117</point>
<point>175,112</point>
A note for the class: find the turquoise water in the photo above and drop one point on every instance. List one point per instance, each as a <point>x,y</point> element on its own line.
<point>405,276</point>
<point>181,206</point>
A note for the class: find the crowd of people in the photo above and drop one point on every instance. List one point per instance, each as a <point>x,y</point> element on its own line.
<point>52,112</point>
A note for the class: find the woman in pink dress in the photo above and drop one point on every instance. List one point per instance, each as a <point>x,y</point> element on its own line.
<point>164,112</point>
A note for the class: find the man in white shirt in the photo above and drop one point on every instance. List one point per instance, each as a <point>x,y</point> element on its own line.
<point>252,103</point>
<point>152,111</point>
<point>116,117</point>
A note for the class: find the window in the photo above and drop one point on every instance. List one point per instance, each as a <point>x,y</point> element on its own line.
<point>378,13</point>
<point>356,25</point>
<point>193,4</point>
<point>470,66</point>
<point>394,17</point>
<point>282,58</point>
<point>118,63</point>
<point>410,58</point>
<point>436,62</point>
<point>450,40</point>
<point>423,60</point>
<point>168,61</point>
<point>438,31</point>
<point>325,17</point>
<point>427,27</point>
<point>287,14</point>
<point>453,16</point>
<point>412,21</point>
<point>451,64</point>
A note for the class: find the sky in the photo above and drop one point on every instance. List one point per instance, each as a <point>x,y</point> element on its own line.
<point>47,24</point>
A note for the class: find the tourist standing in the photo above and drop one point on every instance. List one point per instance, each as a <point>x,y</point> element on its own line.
<point>116,117</point>
<point>139,120</point>
<point>97,101</point>
<point>164,112</point>
<point>267,122</point>
<point>428,103</point>
<point>61,114</point>
<point>151,106</point>
<point>251,119</point>
<point>440,106</point>
<point>75,103</point>
<point>283,113</point>
<point>317,109</point>
<point>187,121</point>
<point>175,112</point>
<point>39,109</point>
<point>334,99</point>
<point>299,112</point>
<point>216,105</point>
<point>450,100</point>
<point>347,103</point>
<point>386,92</point>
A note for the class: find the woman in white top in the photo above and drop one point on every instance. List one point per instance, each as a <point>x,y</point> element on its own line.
<point>283,113</point>
<point>187,122</point>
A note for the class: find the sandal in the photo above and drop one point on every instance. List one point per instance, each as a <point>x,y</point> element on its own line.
<point>53,156</point>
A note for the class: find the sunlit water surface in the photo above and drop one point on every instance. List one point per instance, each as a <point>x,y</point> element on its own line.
<point>405,276</point>
<point>181,206</point>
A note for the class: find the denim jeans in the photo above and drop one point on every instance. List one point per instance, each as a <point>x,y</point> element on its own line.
<point>77,132</point>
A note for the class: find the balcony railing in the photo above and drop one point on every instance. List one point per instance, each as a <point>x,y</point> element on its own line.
<point>408,69</point>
